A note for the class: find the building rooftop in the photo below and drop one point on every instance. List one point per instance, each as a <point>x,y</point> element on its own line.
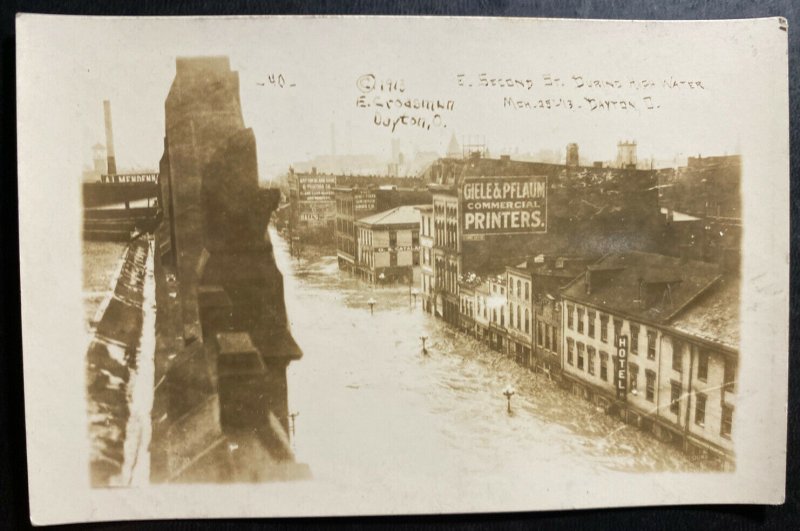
<point>452,171</point>
<point>648,286</point>
<point>402,215</point>
<point>714,316</point>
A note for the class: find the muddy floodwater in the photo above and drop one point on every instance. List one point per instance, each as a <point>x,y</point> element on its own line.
<point>376,412</point>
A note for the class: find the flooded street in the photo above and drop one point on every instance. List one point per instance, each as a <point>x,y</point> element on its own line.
<point>376,412</point>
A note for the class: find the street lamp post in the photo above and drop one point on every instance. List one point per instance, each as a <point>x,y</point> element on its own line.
<point>508,392</point>
<point>293,416</point>
<point>371,303</point>
<point>424,338</point>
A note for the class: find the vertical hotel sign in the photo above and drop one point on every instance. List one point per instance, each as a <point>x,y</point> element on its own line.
<point>503,205</point>
<point>621,378</point>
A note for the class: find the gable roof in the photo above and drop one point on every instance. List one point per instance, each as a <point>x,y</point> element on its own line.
<point>648,286</point>
<point>714,317</point>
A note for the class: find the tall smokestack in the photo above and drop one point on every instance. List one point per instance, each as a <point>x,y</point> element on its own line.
<point>112,162</point>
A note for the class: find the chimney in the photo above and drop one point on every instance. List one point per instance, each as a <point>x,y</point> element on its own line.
<point>505,158</point>
<point>112,163</point>
<point>313,170</point>
<point>587,281</point>
<point>641,294</point>
<point>241,381</point>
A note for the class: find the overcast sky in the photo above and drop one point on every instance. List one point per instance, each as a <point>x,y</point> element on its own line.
<point>132,63</point>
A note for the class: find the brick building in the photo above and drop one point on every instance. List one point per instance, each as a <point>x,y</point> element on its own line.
<point>578,210</point>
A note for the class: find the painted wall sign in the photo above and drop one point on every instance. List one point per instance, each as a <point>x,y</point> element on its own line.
<point>504,205</point>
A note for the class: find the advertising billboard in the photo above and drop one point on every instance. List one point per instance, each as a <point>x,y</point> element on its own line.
<point>503,205</point>
<point>316,187</point>
<point>365,201</point>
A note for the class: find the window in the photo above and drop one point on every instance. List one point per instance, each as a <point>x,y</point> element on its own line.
<point>502,318</point>
<point>570,309</point>
<point>702,366</point>
<point>677,355</point>
<point>580,320</point>
<point>519,288</point>
<point>634,338</point>
<point>511,313</point>
<point>700,409</point>
<point>675,397</point>
<point>651,344</point>
<point>633,373</point>
<point>730,376</point>
<point>527,290</point>
<point>604,328</point>
<point>527,321</point>
<point>604,366</point>
<point>519,322</point>
<point>392,238</point>
<point>650,391</point>
<point>540,333</point>
<point>591,323</point>
<point>727,421</point>
<point>570,349</point>
<point>415,238</point>
<point>591,352</point>
<point>617,329</point>
<point>549,337</point>
<point>580,355</point>
<point>494,315</point>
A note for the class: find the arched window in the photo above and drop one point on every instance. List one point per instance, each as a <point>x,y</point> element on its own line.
<point>527,322</point>
<point>519,289</point>
<point>519,321</point>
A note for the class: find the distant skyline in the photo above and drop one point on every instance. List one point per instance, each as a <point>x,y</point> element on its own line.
<point>324,60</point>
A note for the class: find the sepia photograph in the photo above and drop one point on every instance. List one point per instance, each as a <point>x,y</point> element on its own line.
<point>402,265</point>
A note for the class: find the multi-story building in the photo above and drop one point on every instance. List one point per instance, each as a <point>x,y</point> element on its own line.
<point>538,282</point>
<point>388,245</point>
<point>520,313</point>
<point>497,311</point>
<point>312,212</point>
<point>426,257</point>
<point>488,213</point>
<point>482,316</point>
<point>466,295</point>
<point>446,263</point>
<point>708,333</point>
<point>680,319</point>
<point>357,197</point>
